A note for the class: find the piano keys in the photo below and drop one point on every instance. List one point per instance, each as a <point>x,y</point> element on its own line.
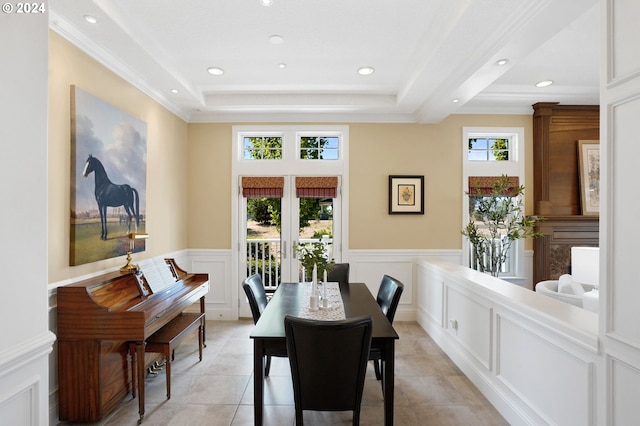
<point>97,319</point>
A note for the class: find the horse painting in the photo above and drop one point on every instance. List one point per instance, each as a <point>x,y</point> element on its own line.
<point>108,194</point>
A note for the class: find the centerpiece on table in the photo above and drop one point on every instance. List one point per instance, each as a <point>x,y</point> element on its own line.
<point>313,254</point>
<point>496,221</point>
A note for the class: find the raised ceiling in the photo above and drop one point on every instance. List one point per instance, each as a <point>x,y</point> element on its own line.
<point>426,54</point>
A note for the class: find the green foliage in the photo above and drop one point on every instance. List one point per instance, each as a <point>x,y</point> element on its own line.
<point>500,149</point>
<point>310,254</point>
<point>265,148</point>
<point>259,210</point>
<point>497,220</point>
<point>321,233</point>
<point>267,211</point>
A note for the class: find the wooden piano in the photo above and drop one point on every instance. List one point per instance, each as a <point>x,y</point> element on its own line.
<point>97,320</point>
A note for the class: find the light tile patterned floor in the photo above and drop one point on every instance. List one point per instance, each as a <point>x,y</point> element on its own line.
<point>429,388</point>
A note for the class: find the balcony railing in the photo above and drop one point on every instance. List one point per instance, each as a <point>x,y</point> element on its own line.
<point>264,258</point>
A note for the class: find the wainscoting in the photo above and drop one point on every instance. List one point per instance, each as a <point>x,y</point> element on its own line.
<point>533,357</point>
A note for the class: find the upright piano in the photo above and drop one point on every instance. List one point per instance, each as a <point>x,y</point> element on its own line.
<point>97,320</point>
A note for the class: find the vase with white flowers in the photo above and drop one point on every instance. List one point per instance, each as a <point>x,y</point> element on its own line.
<point>496,221</point>
<point>310,254</point>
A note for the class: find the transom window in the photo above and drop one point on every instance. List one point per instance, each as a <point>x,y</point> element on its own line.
<point>489,149</point>
<point>319,148</point>
<point>262,147</point>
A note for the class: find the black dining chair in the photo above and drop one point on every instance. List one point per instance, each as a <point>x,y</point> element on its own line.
<point>328,362</point>
<point>254,289</point>
<point>388,297</point>
<point>339,273</point>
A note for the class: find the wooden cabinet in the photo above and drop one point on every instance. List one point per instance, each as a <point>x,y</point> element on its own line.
<point>556,132</point>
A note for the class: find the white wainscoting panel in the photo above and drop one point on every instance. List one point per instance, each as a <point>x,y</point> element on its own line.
<point>24,382</point>
<point>431,282</point>
<point>222,301</point>
<point>624,383</point>
<point>469,322</point>
<point>556,384</point>
<point>368,266</point>
<point>533,357</point>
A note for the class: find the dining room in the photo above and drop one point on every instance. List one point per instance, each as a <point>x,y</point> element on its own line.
<point>429,388</point>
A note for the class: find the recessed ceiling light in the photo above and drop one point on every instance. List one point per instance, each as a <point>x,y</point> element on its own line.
<point>276,39</point>
<point>215,71</point>
<point>455,101</point>
<point>544,83</point>
<point>282,65</point>
<point>366,70</point>
<point>266,2</point>
<point>502,62</point>
<point>174,90</point>
<point>90,19</point>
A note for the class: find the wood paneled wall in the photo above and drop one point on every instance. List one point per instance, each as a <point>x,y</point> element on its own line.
<point>556,132</point>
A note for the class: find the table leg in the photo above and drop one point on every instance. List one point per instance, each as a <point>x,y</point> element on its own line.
<point>388,360</point>
<point>258,380</point>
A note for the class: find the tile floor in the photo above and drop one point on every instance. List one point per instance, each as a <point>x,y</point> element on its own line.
<point>429,388</point>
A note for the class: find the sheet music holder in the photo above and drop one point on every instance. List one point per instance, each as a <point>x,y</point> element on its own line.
<point>157,273</point>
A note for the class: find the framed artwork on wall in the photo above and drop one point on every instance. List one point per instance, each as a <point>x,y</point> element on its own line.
<point>589,168</point>
<point>108,179</point>
<point>406,194</point>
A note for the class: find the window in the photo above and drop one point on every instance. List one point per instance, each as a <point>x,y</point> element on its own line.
<point>262,148</point>
<point>319,148</point>
<point>489,149</point>
<point>491,152</point>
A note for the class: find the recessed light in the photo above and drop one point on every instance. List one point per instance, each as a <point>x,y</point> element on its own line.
<point>90,19</point>
<point>282,65</point>
<point>174,90</point>
<point>366,70</point>
<point>215,71</point>
<point>455,101</point>
<point>266,2</point>
<point>276,39</point>
<point>502,62</point>
<point>544,83</point>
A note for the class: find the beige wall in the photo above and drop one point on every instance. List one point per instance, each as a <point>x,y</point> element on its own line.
<point>189,172</point>
<point>166,158</point>
<point>376,151</point>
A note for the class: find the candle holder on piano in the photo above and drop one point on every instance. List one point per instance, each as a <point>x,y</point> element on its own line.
<point>133,236</point>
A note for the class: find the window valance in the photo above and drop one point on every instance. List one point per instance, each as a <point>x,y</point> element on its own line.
<point>316,186</point>
<point>484,185</point>
<point>262,186</point>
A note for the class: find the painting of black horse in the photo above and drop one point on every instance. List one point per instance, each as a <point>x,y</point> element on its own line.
<point>109,194</point>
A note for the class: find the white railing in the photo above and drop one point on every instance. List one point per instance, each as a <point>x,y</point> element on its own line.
<point>264,258</point>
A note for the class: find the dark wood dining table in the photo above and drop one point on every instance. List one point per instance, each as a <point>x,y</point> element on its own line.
<point>269,334</point>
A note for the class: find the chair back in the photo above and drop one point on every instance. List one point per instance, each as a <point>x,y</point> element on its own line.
<point>254,289</point>
<point>339,273</point>
<point>328,362</point>
<point>389,295</point>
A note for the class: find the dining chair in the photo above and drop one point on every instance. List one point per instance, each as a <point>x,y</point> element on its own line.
<point>328,362</point>
<point>254,289</point>
<point>339,273</point>
<point>388,297</point>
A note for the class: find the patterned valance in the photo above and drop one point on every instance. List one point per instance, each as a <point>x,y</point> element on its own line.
<point>316,186</point>
<point>484,185</point>
<point>262,186</point>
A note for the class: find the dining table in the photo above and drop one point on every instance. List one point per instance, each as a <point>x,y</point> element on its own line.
<point>293,299</point>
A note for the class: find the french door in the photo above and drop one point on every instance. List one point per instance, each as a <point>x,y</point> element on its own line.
<point>273,226</point>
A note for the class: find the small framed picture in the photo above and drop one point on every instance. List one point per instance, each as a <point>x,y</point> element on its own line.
<point>589,168</point>
<point>406,194</point>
